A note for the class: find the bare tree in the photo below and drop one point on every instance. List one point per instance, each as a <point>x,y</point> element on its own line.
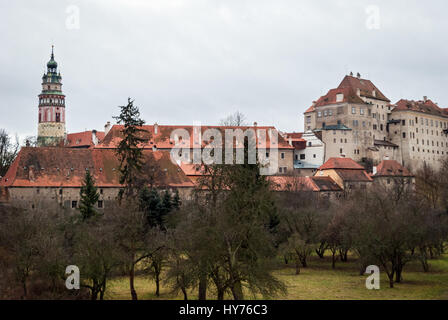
<point>8,151</point>
<point>235,120</point>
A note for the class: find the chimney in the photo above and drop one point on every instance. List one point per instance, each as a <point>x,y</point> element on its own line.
<point>375,170</point>
<point>358,75</point>
<point>94,138</point>
<point>255,124</point>
<point>107,128</point>
<point>425,98</point>
<point>290,141</point>
<point>156,128</point>
<point>28,143</point>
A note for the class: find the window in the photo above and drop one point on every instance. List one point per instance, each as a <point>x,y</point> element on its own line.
<point>101,191</point>
<point>319,114</point>
<point>310,144</point>
<point>58,117</point>
<point>74,204</point>
<point>314,156</point>
<point>282,155</point>
<point>267,154</point>
<point>60,191</point>
<point>339,97</point>
<point>404,135</point>
<point>296,157</point>
<point>308,119</point>
<point>325,113</point>
<point>100,204</point>
<point>341,151</point>
<point>375,127</point>
<point>280,169</point>
<point>361,111</point>
<point>353,110</point>
<point>403,122</point>
<point>302,157</point>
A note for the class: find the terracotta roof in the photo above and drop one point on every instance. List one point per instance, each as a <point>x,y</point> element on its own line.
<point>353,175</point>
<point>389,168</point>
<point>349,96</point>
<point>341,163</point>
<point>310,184</point>
<point>427,106</point>
<point>294,135</point>
<point>365,86</point>
<point>310,109</point>
<point>82,139</point>
<point>66,167</point>
<point>162,139</point>
<point>326,184</point>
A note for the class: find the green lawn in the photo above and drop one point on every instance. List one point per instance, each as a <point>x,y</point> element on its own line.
<point>319,281</point>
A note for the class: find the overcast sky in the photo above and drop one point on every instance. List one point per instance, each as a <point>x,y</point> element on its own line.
<point>200,60</point>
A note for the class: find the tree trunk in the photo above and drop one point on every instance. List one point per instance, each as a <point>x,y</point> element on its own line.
<point>202,288</point>
<point>25,289</point>
<point>297,267</point>
<point>131,282</point>
<point>333,259</point>
<point>220,293</point>
<point>237,291</point>
<point>184,291</point>
<point>398,276</point>
<point>157,284</point>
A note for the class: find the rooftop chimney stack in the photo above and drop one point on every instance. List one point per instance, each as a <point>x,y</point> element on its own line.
<point>255,124</point>
<point>156,128</point>
<point>107,128</point>
<point>94,138</point>
<point>425,98</point>
<point>358,75</point>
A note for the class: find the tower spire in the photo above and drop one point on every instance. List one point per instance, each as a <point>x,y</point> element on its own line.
<point>52,52</point>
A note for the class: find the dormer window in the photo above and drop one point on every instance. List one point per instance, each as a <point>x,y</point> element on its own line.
<point>339,97</point>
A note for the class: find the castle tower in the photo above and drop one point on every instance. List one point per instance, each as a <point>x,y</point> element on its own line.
<point>51,127</point>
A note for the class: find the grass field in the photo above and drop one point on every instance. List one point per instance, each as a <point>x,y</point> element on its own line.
<point>319,281</point>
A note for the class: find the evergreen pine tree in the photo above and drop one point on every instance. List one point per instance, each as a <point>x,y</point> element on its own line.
<point>129,152</point>
<point>89,197</point>
<point>176,200</point>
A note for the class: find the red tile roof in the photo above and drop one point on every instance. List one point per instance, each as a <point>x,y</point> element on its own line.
<point>350,96</point>
<point>388,168</point>
<point>66,167</point>
<point>341,163</point>
<point>421,106</point>
<point>162,139</point>
<point>82,139</point>
<point>365,86</point>
<point>310,109</point>
<point>353,175</point>
<point>310,184</point>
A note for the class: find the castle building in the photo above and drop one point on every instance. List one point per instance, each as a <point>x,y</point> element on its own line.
<point>51,126</point>
<point>356,120</point>
<point>420,129</point>
<point>350,119</point>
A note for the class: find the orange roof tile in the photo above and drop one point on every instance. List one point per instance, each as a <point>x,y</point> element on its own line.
<point>389,168</point>
<point>341,163</point>
<point>162,139</point>
<point>365,86</point>
<point>66,167</point>
<point>295,184</point>
<point>82,139</point>
<point>420,106</point>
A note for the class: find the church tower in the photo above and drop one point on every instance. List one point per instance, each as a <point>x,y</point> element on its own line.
<point>51,127</point>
